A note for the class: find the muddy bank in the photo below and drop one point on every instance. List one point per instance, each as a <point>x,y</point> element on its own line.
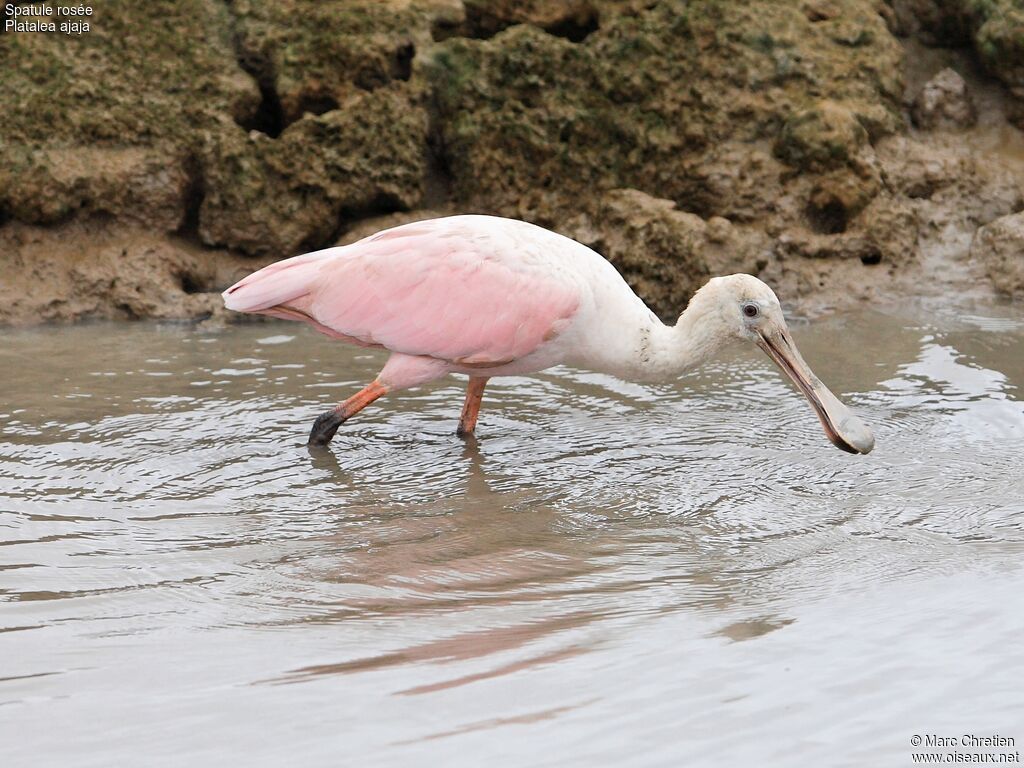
<point>84,270</point>
<point>843,150</point>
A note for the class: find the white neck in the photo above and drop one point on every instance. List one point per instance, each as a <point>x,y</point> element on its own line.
<point>658,352</point>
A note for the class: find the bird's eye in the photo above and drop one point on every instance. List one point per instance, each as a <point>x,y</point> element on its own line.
<point>750,310</point>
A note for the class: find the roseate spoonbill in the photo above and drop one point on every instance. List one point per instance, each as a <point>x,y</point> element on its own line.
<point>487,296</point>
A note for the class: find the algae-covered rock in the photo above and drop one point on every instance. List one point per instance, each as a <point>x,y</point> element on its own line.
<point>573,19</point>
<point>994,28</point>
<point>281,196</point>
<point>682,138</point>
<point>144,71</point>
<point>838,197</point>
<point>314,56</point>
<point>148,185</point>
<point>825,135</point>
<point>644,99</point>
<point>999,38</point>
<point>999,246</point>
<point>665,254</point>
<point>136,119</point>
<point>99,123</point>
<point>526,122</point>
<point>935,22</point>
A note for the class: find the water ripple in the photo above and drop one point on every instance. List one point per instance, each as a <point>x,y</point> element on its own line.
<point>157,498</point>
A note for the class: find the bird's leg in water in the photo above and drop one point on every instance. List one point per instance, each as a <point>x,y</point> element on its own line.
<point>327,424</point>
<point>471,408</point>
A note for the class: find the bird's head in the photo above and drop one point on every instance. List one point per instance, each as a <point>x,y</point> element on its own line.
<point>741,307</point>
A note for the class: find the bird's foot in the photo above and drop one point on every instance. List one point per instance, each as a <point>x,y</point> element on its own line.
<point>324,428</point>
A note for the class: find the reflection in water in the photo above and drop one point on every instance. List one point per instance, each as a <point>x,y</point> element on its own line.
<point>690,567</point>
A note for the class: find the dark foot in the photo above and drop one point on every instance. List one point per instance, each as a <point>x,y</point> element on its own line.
<point>324,428</point>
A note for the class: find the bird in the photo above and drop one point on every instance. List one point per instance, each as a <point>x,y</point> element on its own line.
<point>488,296</point>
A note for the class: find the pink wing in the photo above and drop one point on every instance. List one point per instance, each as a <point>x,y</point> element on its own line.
<point>476,291</point>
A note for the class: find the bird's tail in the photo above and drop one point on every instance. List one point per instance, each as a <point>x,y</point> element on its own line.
<point>278,284</point>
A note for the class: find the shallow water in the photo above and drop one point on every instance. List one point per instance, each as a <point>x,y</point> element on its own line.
<point>613,574</point>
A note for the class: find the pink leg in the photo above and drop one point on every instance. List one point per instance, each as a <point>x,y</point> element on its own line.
<point>327,424</point>
<point>471,408</point>
<point>400,372</point>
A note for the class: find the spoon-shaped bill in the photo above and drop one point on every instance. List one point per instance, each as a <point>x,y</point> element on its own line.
<point>846,431</point>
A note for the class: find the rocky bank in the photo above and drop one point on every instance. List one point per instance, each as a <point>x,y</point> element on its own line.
<point>843,150</point>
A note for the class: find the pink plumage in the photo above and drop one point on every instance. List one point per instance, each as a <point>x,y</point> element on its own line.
<point>467,291</point>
